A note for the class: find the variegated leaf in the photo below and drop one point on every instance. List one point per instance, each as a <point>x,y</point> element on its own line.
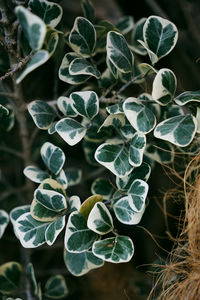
<point>115,108</point>
<point>51,184</point>
<point>125,24</point>
<point>162,152</point>
<point>81,66</point>
<point>114,120</point>
<point>74,176</point>
<point>62,179</point>
<point>4,220</point>
<point>88,10</point>
<point>52,200</point>
<point>138,193</point>
<point>102,187</point>
<point>137,34</point>
<point>74,203</point>
<point>65,106</point>
<point>53,230</point>
<point>88,205</point>
<point>10,275</point>
<point>55,287</point>
<point>53,157</point>
<point>35,174</point>
<point>186,97</point>
<point>137,147</point>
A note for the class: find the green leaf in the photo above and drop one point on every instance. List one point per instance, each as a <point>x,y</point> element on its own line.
<point>55,287</point>
<point>100,219</point>
<point>71,131</point>
<point>141,118</point>
<point>38,59</point>
<point>162,152</point>
<point>137,147</point>
<point>102,187</point>
<point>79,264</point>
<point>33,27</point>
<point>137,34</point>
<point>64,74</point>
<point>42,113</point>
<point>186,97</point>
<point>49,12</point>
<point>78,237</point>
<point>164,86</point>
<point>116,250</point>
<point>53,157</point>
<point>82,38</point>
<point>74,203</point>
<point>179,130</point>
<point>88,205</point>
<point>125,24</point>
<point>74,176</point>
<point>118,52</point>
<point>65,106</point>
<point>114,158</point>
<point>35,174</point>
<point>4,220</point>
<point>142,172</point>
<point>53,230</point>
<point>88,10</point>
<point>81,66</point>
<point>124,212</point>
<point>10,274</point>
<point>160,37</point>
<point>85,103</point>
<point>52,200</point>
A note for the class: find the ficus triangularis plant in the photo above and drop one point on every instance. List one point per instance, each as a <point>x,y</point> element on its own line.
<point>122,134</point>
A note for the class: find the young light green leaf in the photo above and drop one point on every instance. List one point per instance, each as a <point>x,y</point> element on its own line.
<point>81,66</point>
<point>74,203</point>
<point>88,10</point>
<point>137,34</point>
<point>125,24</point>
<point>85,103</point>
<point>71,131</point>
<point>42,113</point>
<point>114,158</point>
<point>164,86</point>
<point>65,106</point>
<point>124,212</point>
<point>78,238</point>
<point>116,250</point>
<point>100,219</point>
<point>49,12</point>
<point>160,37</point>
<point>52,200</point>
<point>33,27</point>
<point>179,130</point>
<point>186,97</point>
<point>118,52</point>
<point>137,147</point>
<point>35,174</point>
<point>140,117</point>
<point>64,74</point>
<point>88,205</point>
<point>102,187</point>
<point>10,274</point>
<point>79,264</point>
<point>74,176</point>
<point>55,287</point>
<point>4,220</point>
<point>82,38</point>
<point>53,157</point>
<point>53,230</point>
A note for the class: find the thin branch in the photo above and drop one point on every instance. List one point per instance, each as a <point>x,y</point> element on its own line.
<point>155,7</point>
<point>11,151</point>
<point>7,94</point>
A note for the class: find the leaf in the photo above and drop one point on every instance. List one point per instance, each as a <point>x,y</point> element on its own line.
<point>81,66</point>
<point>35,174</point>
<point>89,148</point>
<point>148,101</point>
<point>146,69</point>
<point>55,287</point>
<point>142,172</point>
<point>62,179</point>
<point>70,130</point>
<point>125,24</point>
<point>74,176</point>
<point>79,264</point>
<point>100,219</point>
<point>33,27</point>
<point>137,147</point>
<point>53,230</point>
<point>114,120</point>
<point>137,34</point>
<point>93,133</point>
<point>179,130</point>
<point>64,74</point>
<point>102,187</point>
<point>42,113</point>
<point>38,59</point>
<point>78,237</point>
<point>3,111</point>
<point>51,184</point>
<point>124,212</point>
<point>198,119</point>
<point>53,157</point>
<point>85,103</point>
<point>49,12</point>
<point>17,212</point>
<point>116,250</point>
<point>138,193</point>
<point>88,10</point>
<point>164,86</point>
<point>115,108</point>
<point>141,118</point>
<point>160,37</point>
<point>114,158</point>
<point>162,152</point>
<point>82,38</point>
<point>118,52</point>
<point>186,97</point>
<point>52,200</point>
<point>88,205</point>
<point>74,203</point>
<point>4,220</point>
<point>127,131</point>
<point>65,106</point>
<point>10,274</point>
